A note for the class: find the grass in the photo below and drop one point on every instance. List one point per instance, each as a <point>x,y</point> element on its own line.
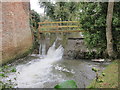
<point>110,80</point>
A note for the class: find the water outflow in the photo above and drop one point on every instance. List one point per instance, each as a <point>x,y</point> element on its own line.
<point>37,72</point>
<point>42,49</point>
<point>55,53</point>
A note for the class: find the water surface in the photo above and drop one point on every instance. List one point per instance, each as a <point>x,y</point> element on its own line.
<point>40,73</point>
<point>45,71</point>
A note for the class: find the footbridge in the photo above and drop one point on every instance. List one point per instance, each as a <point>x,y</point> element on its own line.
<point>59,26</point>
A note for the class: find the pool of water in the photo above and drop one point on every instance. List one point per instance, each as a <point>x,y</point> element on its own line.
<point>33,72</point>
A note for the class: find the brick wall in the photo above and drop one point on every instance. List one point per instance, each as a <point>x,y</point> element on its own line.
<point>0,33</point>
<point>16,33</point>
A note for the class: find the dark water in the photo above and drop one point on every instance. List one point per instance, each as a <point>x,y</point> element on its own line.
<point>77,70</point>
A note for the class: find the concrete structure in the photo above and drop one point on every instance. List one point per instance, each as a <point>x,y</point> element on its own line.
<point>15,33</point>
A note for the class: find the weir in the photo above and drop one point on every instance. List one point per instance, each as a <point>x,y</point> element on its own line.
<point>35,70</point>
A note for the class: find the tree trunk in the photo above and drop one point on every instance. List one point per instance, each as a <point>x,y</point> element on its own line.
<point>110,50</point>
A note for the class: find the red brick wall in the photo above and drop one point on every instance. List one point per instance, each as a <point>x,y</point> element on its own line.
<point>16,33</point>
<point>0,33</point>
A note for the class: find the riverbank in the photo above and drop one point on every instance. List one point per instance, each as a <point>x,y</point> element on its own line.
<point>110,80</point>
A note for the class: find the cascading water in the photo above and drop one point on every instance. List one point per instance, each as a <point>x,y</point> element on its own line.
<point>42,50</point>
<point>31,74</point>
<point>55,54</point>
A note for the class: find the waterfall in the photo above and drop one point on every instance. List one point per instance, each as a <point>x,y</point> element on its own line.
<point>55,53</point>
<point>34,71</point>
<point>42,49</point>
<point>52,52</point>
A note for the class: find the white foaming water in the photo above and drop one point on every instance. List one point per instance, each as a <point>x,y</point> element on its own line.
<point>37,73</point>
<point>42,50</point>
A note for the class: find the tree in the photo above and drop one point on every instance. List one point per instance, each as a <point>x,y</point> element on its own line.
<point>60,11</point>
<point>93,19</point>
<point>109,36</point>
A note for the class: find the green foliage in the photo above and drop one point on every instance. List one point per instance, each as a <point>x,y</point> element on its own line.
<point>60,11</point>
<point>93,20</point>
<point>34,19</point>
<point>95,69</point>
<point>66,84</point>
<point>98,78</point>
<point>49,8</point>
<point>4,71</point>
<point>2,75</point>
<point>13,70</point>
<point>108,78</point>
<point>103,74</point>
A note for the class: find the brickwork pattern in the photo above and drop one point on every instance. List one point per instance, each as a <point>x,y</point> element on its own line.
<point>16,33</point>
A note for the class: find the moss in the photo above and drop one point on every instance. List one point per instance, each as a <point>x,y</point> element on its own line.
<point>110,78</point>
<point>21,55</point>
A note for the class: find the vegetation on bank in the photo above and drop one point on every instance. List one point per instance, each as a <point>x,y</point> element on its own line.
<point>110,78</point>
<point>34,19</point>
<point>8,83</point>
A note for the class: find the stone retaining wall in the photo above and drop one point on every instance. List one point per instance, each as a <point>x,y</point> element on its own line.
<point>76,49</point>
<point>73,48</point>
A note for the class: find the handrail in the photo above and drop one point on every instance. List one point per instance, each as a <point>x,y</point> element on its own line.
<point>57,26</point>
<point>50,31</point>
<point>67,26</point>
<point>59,22</point>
